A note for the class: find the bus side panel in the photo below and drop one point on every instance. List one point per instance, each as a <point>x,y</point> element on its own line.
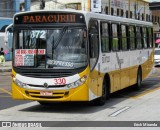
<point>95,84</point>
<point>115,83</point>
<point>125,78</point>
<point>148,65</point>
<point>133,75</point>
<point>145,66</point>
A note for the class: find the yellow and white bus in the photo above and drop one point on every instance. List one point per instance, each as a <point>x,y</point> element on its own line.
<point>69,55</point>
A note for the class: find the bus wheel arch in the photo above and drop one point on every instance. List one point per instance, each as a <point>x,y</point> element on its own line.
<point>105,92</point>
<point>108,85</point>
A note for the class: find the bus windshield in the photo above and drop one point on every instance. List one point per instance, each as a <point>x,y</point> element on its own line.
<point>57,48</point>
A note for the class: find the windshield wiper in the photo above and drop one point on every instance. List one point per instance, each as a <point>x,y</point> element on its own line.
<point>60,37</point>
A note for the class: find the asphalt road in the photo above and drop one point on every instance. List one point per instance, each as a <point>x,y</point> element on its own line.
<point>152,83</point>
<point>124,105</point>
<point>6,100</point>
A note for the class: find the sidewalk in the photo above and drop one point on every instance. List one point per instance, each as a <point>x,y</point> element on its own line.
<point>7,67</point>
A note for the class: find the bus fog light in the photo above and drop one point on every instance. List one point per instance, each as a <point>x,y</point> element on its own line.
<point>77,83</point>
<point>19,83</point>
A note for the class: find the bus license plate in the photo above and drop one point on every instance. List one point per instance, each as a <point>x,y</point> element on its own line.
<point>45,93</point>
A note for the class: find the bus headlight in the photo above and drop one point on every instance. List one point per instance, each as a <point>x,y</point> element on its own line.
<point>77,83</point>
<point>19,83</point>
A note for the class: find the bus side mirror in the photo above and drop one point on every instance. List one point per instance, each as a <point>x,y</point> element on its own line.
<point>9,29</point>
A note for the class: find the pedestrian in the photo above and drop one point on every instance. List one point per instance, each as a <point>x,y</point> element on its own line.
<point>2,58</point>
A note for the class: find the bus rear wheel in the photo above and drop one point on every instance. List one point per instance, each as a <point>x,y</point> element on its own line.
<point>101,100</point>
<point>137,86</point>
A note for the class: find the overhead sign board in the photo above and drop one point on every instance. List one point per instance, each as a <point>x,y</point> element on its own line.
<point>96,5</point>
<point>48,17</point>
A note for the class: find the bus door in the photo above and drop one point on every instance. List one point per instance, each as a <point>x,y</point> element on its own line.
<point>116,57</point>
<point>94,54</point>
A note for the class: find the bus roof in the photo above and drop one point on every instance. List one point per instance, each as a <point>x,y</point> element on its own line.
<point>90,15</point>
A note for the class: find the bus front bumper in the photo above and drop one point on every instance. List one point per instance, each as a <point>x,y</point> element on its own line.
<point>75,94</point>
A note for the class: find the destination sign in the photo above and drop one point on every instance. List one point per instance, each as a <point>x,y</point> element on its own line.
<point>35,18</point>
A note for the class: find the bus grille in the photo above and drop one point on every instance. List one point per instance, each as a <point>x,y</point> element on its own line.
<point>45,75</point>
<point>55,95</point>
<point>50,86</point>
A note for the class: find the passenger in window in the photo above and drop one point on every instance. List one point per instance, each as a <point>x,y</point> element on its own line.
<point>2,58</point>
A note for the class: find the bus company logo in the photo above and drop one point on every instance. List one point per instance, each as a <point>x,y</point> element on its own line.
<point>6,124</point>
<point>45,85</point>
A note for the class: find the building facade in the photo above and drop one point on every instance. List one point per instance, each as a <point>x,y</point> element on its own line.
<point>7,9</point>
<point>155,8</point>
<point>135,9</point>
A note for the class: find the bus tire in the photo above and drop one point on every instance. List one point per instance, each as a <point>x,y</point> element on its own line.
<point>137,86</point>
<point>43,103</point>
<point>101,100</point>
<point>107,87</point>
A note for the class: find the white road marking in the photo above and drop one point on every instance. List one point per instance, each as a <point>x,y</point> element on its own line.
<point>119,111</point>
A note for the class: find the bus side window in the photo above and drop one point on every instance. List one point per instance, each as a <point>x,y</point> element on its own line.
<point>105,43</point>
<point>132,37</point>
<point>150,37</point>
<point>124,37</point>
<point>93,43</point>
<point>115,37</point>
<point>93,38</point>
<point>144,32</point>
<point>138,38</point>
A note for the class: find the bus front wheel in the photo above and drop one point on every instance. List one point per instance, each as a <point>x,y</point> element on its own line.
<point>101,100</point>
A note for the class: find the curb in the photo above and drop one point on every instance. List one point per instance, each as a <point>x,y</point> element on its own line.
<point>6,70</point>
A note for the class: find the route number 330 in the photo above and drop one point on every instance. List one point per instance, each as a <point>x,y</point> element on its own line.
<point>59,81</point>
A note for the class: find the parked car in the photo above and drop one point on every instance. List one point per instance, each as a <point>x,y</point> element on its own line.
<point>157,57</point>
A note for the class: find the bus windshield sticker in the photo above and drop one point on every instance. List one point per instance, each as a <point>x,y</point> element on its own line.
<point>30,51</point>
<point>28,60</point>
<point>38,34</point>
<point>60,63</point>
<point>24,60</point>
<point>25,57</point>
<point>18,60</point>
